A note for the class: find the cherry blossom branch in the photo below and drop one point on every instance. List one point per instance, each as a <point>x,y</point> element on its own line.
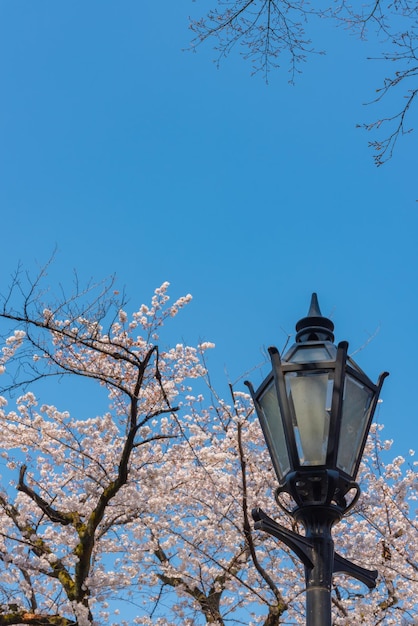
<point>39,547</point>
<point>209,603</point>
<point>384,148</point>
<point>275,611</point>
<point>19,618</point>
<point>241,550</point>
<point>55,516</point>
<point>266,31</point>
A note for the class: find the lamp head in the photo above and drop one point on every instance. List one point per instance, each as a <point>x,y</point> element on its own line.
<point>315,409</point>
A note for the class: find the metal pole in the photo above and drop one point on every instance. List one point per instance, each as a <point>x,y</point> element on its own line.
<point>318,523</point>
<point>318,582</point>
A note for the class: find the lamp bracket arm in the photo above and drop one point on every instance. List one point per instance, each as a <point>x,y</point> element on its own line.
<point>366,576</point>
<point>300,545</point>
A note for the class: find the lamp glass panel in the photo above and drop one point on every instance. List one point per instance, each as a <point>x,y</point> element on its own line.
<point>310,354</point>
<point>273,427</point>
<point>310,395</point>
<point>355,412</point>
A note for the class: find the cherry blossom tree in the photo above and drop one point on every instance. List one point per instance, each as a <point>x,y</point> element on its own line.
<point>77,479</point>
<point>142,514</point>
<point>272,33</point>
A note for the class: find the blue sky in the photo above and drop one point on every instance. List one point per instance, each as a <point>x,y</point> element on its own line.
<point>133,156</point>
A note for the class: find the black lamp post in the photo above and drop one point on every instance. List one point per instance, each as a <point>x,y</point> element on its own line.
<point>315,409</point>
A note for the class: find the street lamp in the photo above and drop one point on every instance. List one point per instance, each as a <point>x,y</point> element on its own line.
<point>315,409</point>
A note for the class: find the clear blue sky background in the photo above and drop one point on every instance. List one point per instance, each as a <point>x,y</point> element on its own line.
<point>134,157</point>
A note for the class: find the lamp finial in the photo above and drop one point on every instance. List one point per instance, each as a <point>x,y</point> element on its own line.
<point>314,327</point>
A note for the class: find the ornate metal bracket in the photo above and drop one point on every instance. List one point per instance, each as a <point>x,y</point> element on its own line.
<point>303,547</point>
